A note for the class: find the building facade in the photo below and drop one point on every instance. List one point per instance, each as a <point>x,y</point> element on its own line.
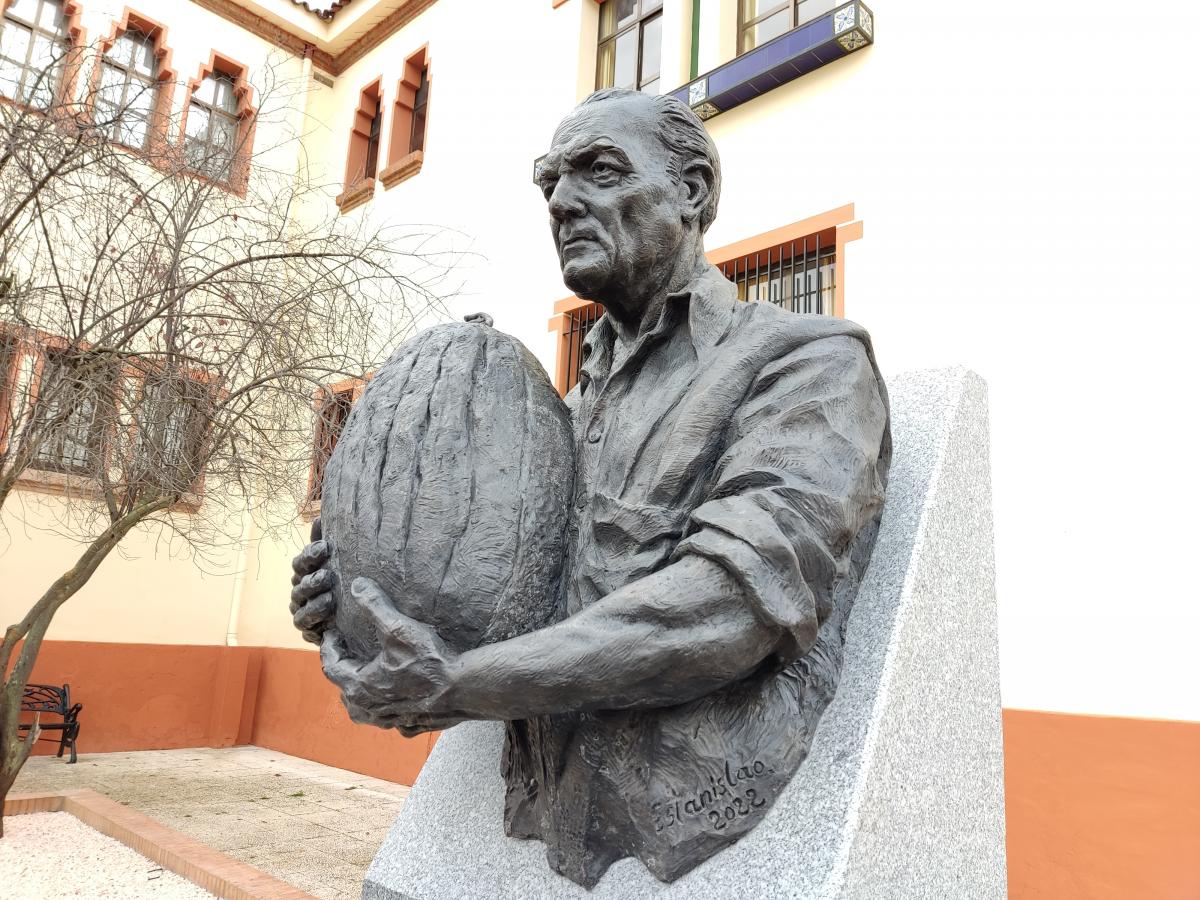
<point>995,187</point>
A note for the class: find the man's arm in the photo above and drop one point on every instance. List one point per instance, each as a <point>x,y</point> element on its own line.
<point>755,576</point>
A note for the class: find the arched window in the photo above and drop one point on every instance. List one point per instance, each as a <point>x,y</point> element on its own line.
<point>218,124</point>
<point>128,92</point>
<point>34,40</point>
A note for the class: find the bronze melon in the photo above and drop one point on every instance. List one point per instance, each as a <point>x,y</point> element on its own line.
<point>450,486</point>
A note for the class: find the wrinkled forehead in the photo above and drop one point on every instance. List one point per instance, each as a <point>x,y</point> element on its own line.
<point>620,124</point>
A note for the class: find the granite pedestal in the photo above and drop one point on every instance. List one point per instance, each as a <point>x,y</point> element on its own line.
<point>902,792</point>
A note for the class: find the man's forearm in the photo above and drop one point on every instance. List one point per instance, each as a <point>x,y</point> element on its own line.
<point>665,639</point>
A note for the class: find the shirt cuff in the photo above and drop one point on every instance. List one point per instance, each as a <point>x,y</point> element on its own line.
<point>741,537</point>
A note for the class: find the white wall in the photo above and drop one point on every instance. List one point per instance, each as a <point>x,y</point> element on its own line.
<point>1026,176</point>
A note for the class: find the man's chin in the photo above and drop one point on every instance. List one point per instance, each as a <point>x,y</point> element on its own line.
<point>584,280</point>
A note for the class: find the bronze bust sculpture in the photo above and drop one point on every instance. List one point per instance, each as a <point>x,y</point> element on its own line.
<point>730,465</point>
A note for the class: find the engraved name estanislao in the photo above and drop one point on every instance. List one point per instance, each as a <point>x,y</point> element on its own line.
<point>728,797</point>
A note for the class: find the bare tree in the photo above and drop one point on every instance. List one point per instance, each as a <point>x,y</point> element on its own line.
<point>168,311</point>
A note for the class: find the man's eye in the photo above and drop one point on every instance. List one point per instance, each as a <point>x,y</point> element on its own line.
<point>603,170</point>
<point>548,188</point>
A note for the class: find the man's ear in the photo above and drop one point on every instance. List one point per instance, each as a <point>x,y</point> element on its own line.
<point>695,186</point>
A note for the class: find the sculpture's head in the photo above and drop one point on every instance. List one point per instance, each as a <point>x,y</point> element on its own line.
<point>632,182</point>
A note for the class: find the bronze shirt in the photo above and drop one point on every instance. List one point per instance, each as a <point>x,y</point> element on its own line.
<point>758,439</point>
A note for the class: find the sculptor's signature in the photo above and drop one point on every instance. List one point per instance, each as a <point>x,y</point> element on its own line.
<point>727,798</point>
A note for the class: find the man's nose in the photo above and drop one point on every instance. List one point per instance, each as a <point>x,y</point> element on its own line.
<point>566,201</point>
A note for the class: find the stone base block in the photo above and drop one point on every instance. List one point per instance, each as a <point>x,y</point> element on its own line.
<point>902,792</point>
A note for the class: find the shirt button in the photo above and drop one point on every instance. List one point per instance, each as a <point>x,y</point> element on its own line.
<point>594,436</point>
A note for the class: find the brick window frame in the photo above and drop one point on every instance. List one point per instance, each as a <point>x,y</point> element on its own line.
<point>574,317</point>
<point>326,429</point>
<point>247,117</point>
<point>166,76</point>
<point>360,184</point>
<point>406,150</point>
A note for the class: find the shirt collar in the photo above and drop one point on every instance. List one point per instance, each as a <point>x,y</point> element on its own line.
<point>710,300</point>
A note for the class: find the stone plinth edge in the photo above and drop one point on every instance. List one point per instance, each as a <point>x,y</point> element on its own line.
<point>902,792</point>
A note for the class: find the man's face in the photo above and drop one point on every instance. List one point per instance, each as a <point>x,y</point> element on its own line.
<point>615,210</point>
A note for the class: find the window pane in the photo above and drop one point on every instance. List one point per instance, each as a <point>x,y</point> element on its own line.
<point>651,50</point>
<point>204,93</point>
<point>772,27</point>
<point>121,50</point>
<point>651,87</point>
<point>752,9</point>
<point>417,141</point>
<point>604,66</point>
<point>224,98</point>
<point>616,14</point>
<point>223,136</point>
<point>24,9</point>
<point>14,43</point>
<point>44,53</point>
<point>10,78</point>
<point>52,16</point>
<point>625,75</point>
<point>807,10</point>
<point>143,57</point>
<point>197,122</point>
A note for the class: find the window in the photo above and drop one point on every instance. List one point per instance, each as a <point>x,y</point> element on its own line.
<point>33,44</point>
<point>409,115</point>
<point>761,20</point>
<point>797,275</point>
<point>333,409</point>
<point>74,411</point>
<point>173,416</point>
<point>128,93</point>
<point>416,137</point>
<point>630,45</point>
<point>211,132</point>
<point>362,156</point>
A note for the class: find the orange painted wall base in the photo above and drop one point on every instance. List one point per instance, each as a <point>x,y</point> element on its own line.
<point>1101,808</point>
<point>163,696</point>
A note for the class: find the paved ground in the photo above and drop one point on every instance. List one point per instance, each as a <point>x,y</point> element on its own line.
<point>310,825</point>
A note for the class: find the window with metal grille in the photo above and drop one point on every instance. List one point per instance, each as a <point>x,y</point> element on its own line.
<point>333,408</point>
<point>74,410</point>
<point>760,21</point>
<point>33,44</point>
<point>630,49</point>
<point>797,275</point>
<point>211,133</point>
<point>173,416</point>
<point>128,90</point>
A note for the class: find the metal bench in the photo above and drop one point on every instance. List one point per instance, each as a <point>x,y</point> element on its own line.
<point>47,698</point>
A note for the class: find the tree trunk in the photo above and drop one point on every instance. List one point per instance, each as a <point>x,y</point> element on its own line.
<point>30,631</point>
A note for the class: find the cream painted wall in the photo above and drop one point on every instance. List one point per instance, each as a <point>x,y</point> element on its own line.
<point>1026,175</point>
<point>152,589</point>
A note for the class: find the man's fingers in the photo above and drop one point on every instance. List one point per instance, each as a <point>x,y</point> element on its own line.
<point>312,585</point>
<point>370,598</point>
<point>336,663</point>
<point>316,613</point>
<point>311,558</point>
<point>313,637</point>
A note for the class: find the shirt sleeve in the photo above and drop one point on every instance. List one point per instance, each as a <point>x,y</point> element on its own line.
<point>799,480</point>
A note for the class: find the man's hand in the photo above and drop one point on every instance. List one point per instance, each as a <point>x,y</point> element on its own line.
<point>407,685</point>
<point>313,601</point>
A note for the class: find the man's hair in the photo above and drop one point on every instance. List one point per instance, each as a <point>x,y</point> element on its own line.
<point>681,132</point>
